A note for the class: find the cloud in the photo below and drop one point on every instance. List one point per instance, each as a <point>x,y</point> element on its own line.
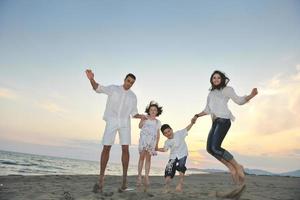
<point>277,106</point>
<point>7,93</point>
<point>295,152</point>
<point>52,107</point>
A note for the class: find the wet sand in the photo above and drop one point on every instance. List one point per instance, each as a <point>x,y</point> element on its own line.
<point>201,186</point>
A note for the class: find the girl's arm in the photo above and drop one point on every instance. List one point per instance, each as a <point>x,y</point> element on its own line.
<point>157,139</point>
<point>141,123</point>
<point>140,116</point>
<point>161,149</point>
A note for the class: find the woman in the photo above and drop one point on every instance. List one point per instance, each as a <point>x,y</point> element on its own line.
<point>216,106</point>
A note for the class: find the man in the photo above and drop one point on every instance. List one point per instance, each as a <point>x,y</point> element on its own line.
<point>120,105</point>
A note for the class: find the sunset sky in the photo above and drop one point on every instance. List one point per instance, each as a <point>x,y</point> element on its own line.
<point>47,105</point>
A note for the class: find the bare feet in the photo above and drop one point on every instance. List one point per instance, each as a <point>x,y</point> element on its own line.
<point>101,182</point>
<point>179,188</point>
<point>139,181</point>
<point>235,176</point>
<point>124,184</point>
<point>98,187</point>
<point>146,183</point>
<point>166,189</point>
<point>241,174</point>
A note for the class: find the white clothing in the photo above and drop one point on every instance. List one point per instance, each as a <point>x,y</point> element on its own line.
<point>148,136</point>
<point>111,129</point>
<point>177,145</point>
<point>120,105</point>
<point>217,101</point>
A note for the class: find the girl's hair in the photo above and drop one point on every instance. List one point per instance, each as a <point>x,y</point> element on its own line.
<point>154,104</point>
<point>224,80</point>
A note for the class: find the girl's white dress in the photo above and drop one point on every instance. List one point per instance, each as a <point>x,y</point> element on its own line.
<point>148,136</point>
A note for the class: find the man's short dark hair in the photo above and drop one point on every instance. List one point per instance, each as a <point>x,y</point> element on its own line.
<point>164,127</point>
<point>131,76</point>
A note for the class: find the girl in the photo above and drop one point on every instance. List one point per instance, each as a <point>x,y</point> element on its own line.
<point>149,138</point>
<point>217,107</point>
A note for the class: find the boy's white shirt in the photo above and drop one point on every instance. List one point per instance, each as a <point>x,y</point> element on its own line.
<point>177,145</point>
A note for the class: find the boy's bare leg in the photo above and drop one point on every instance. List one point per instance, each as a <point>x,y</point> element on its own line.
<point>167,184</point>
<point>179,187</point>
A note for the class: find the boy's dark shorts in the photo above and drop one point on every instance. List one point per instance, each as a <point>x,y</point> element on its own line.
<point>175,164</point>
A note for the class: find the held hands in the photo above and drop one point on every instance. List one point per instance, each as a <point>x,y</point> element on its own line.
<point>89,74</point>
<point>144,117</point>
<point>194,119</point>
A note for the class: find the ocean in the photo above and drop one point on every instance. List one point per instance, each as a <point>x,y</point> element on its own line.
<point>13,163</point>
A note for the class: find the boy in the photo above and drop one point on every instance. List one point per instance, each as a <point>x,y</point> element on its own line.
<point>178,153</point>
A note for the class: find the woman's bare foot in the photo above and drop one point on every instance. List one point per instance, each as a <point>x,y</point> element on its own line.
<point>241,174</point>
<point>234,175</point>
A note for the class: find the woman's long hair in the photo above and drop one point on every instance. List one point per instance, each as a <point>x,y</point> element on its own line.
<point>224,80</point>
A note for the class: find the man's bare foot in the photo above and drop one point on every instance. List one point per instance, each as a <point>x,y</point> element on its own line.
<point>179,188</point>
<point>124,184</point>
<point>98,187</point>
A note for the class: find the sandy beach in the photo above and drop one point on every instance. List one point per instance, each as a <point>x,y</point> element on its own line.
<point>203,186</point>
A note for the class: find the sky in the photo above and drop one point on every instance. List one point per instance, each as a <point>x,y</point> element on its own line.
<point>48,107</point>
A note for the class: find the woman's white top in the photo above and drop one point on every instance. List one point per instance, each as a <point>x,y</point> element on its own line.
<point>217,101</point>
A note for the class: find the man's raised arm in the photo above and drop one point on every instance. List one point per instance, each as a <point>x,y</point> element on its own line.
<point>90,76</point>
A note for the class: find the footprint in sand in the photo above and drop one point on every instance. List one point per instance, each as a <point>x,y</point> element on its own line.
<point>150,195</point>
<point>108,194</point>
<point>68,196</point>
<point>234,194</point>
